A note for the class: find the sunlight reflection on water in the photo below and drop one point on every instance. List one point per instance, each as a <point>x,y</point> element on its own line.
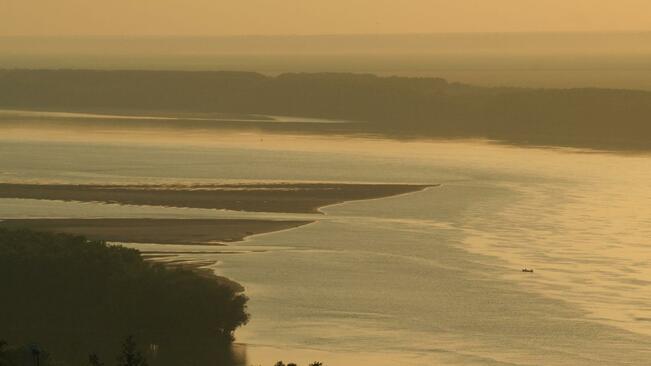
<point>429,277</point>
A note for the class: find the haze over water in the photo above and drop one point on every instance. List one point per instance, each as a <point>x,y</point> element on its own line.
<point>501,255</point>
<point>539,60</point>
<point>431,277</point>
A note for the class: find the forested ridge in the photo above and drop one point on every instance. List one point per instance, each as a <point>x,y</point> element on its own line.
<point>394,106</point>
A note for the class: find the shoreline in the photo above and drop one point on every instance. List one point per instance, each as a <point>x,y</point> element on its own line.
<point>423,188</point>
<point>200,268</point>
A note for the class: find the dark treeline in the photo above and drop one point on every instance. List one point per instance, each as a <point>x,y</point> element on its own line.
<point>32,354</point>
<point>74,297</point>
<point>395,106</point>
<point>130,355</point>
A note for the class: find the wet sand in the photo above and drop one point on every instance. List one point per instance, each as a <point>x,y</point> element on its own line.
<point>161,231</point>
<point>199,267</point>
<point>290,198</point>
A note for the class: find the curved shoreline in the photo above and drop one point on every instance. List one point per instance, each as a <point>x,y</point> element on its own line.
<point>423,187</point>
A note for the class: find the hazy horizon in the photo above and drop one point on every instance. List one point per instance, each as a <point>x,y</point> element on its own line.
<point>204,17</point>
<point>332,33</point>
<point>550,60</point>
<point>432,42</point>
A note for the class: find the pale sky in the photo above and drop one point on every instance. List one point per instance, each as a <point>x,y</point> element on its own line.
<point>300,17</point>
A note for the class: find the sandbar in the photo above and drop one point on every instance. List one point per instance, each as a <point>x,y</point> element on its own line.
<point>160,231</point>
<point>274,197</point>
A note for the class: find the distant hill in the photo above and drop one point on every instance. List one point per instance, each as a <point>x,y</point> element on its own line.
<point>393,106</point>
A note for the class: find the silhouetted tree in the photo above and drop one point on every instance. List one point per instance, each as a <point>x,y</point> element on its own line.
<point>94,360</point>
<point>130,355</point>
<point>3,360</point>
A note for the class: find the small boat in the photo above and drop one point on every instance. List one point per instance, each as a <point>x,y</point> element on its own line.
<point>528,270</point>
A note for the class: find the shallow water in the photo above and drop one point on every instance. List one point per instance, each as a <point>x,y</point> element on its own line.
<point>431,277</point>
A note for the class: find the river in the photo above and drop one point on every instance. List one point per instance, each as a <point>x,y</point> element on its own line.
<point>428,278</point>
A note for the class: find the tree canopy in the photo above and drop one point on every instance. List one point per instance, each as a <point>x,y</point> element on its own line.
<point>77,297</point>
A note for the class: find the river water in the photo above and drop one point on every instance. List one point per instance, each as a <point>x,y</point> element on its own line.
<point>428,278</point>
